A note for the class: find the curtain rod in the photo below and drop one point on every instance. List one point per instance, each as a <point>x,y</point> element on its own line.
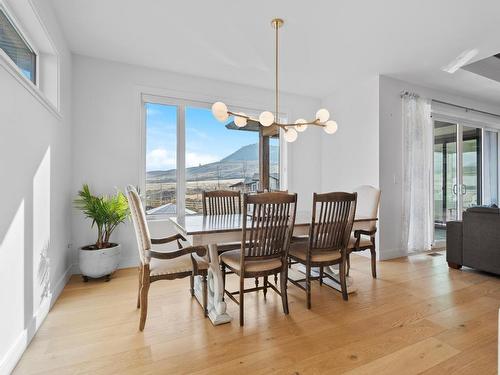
<point>466,108</point>
<point>404,93</point>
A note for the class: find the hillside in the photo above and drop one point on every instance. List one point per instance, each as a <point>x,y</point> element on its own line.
<point>242,162</point>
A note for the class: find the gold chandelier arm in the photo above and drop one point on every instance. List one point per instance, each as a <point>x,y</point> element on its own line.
<point>283,126</point>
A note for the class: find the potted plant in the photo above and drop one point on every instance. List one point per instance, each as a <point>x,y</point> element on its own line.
<point>101,258</point>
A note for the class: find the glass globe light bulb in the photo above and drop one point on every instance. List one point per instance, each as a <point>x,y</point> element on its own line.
<point>323,115</point>
<point>240,121</point>
<point>291,135</point>
<point>219,110</point>
<point>330,127</point>
<point>301,128</point>
<point>266,118</point>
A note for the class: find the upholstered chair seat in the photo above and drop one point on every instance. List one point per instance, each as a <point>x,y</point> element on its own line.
<point>177,265</point>
<point>299,250</point>
<point>233,261</point>
<point>364,241</point>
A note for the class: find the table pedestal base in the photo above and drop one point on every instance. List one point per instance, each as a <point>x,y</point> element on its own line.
<point>216,306</point>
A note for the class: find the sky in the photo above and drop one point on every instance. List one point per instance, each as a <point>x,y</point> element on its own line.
<point>207,140</point>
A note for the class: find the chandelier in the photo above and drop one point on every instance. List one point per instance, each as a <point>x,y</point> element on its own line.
<point>267,118</point>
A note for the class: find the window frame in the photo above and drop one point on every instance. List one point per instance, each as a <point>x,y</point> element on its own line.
<point>181,104</point>
<point>22,34</point>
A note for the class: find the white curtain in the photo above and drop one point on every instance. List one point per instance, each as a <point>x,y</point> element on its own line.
<point>490,168</point>
<point>417,175</point>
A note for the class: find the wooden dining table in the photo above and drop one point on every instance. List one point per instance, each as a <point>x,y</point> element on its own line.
<point>214,230</point>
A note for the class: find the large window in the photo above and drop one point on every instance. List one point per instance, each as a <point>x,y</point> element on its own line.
<point>188,151</point>
<point>15,46</point>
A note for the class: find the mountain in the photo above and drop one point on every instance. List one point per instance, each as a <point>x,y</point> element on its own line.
<point>244,162</point>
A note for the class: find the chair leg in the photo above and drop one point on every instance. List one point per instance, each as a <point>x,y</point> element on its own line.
<point>321,275</point>
<point>257,283</point>
<point>343,282</point>
<point>139,289</point>
<point>144,298</point>
<point>205,295</point>
<point>265,286</point>
<point>223,269</point>
<point>276,279</point>
<point>374,262</point>
<point>191,281</point>
<point>284,295</point>
<point>242,298</point>
<point>308,286</point>
<point>348,264</point>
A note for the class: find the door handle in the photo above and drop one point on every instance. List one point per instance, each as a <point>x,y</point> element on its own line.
<point>464,189</point>
<point>455,189</point>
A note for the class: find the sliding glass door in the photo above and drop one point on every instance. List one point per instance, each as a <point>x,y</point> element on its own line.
<point>465,171</point>
<point>445,177</point>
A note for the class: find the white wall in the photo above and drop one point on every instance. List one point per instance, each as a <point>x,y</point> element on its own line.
<point>35,170</point>
<point>391,155</point>
<point>106,142</point>
<point>350,157</point>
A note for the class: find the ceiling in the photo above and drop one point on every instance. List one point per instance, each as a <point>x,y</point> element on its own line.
<point>324,44</point>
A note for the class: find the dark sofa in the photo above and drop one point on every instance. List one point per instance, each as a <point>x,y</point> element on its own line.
<point>475,241</point>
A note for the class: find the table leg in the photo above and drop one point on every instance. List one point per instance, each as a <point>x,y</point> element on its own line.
<point>216,306</point>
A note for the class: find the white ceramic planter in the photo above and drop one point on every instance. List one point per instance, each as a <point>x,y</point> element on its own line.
<point>100,262</point>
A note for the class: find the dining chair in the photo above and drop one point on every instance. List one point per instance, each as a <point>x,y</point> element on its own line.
<point>329,235</point>
<point>221,202</point>
<point>264,245</point>
<point>163,265</point>
<point>363,235</point>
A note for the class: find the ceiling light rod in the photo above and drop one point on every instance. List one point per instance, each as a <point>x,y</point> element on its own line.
<point>312,122</point>
<point>267,118</point>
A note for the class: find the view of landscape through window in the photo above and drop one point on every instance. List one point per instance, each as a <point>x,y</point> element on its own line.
<point>218,156</point>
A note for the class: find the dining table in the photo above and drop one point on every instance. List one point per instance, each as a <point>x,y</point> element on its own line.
<point>214,230</point>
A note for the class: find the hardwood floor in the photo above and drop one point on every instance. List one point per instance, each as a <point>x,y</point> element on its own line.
<point>417,317</point>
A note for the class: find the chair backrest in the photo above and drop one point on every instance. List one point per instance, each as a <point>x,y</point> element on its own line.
<point>367,206</point>
<point>332,219</point>
<point>268,231</point>
<point>221,202</point>
<point>140,225</point>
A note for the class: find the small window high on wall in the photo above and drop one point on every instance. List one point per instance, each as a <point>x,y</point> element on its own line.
<point>15,46</point>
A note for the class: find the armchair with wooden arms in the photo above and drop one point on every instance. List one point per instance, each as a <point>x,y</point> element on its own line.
<point>363,232</point>
<point>162,265</point>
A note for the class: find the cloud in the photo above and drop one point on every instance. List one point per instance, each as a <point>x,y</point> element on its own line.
<point>160,159</point>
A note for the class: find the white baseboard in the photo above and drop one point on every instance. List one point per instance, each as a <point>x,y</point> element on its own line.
<point>14,354</point>
<point>387,254</point>
<point>61,283</point>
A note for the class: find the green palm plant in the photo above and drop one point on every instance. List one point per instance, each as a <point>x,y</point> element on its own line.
<point>105,212</point>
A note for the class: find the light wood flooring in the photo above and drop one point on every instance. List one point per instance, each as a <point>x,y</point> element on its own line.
<point>417,317</point>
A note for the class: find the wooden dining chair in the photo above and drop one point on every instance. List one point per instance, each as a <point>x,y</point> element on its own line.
<point>221,202</point>
<point>329,235</point>
<point>264,245</point>
<point>363,232</point>
<point>163,265</point>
